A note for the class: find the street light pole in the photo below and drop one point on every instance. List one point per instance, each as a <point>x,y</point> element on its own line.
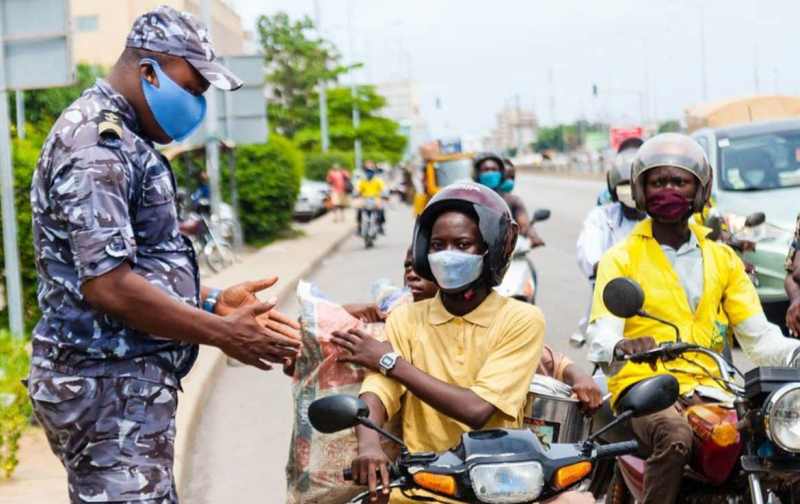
<point>703,51</point>
<point>212,145</point>
<point>323,92</point>
<point>20,114</point>
<point>357,161</point>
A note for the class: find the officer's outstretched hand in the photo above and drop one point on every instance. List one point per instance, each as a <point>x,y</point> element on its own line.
<point>244,294</point>
<point>249,341</point>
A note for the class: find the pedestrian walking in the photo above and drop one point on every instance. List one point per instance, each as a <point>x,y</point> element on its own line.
<point>339,181</point>
<point>123,310</point>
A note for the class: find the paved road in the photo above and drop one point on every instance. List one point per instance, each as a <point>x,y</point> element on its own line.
<point>243,436</point>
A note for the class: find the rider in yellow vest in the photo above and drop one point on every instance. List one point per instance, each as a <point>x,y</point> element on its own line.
<point>687,279</point>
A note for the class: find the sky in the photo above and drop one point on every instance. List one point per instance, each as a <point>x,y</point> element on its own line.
<point>472,57</point>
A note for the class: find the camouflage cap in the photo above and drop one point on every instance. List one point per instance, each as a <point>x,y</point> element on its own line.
<point>166,30</point>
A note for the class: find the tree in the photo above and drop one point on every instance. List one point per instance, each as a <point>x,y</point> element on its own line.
<point>297,62</point>
<point>43,106</point>
<point>671,126</point>
<point>380,136</point>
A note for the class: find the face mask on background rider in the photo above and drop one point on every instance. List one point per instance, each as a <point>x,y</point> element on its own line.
<point>369,174</point>
<point>177,111</point>
<point>625,195</point>
<point>507,186</point>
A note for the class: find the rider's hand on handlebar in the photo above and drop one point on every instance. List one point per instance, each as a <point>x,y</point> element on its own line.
<point>631,346</point>
<point>366,467</point>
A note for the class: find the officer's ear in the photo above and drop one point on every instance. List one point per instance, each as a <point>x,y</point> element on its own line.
<point>148,73</point>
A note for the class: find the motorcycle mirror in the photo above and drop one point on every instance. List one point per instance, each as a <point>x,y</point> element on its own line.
<point>623,297</point>
<point>649,396</point>
<point>755,219</point>
<point>336,413</point>
<point>540,215</point>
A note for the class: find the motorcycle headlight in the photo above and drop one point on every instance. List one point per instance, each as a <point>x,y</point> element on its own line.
<point>782,417</point>
<point>507,483</point>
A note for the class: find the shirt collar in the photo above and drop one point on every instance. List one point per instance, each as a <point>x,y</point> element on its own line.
<point>480,316</point>
<point>699,232</point>
<point>118,104</point>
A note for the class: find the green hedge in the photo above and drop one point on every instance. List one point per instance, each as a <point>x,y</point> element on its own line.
<point>25,155</point>
<point>15,409</point>
<point>268,177</point>
<point>318,163</point>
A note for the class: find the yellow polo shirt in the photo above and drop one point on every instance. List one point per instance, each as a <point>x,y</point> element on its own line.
<point>371,188</point>
<point>493,350</point>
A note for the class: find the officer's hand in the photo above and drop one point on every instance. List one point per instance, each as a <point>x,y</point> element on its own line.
<point>250,342</point>
<point>630,346</point>
<point>244,294</point>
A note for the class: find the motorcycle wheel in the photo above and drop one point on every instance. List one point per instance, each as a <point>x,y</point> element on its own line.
<point>617,491</point>
<point>219,256</point>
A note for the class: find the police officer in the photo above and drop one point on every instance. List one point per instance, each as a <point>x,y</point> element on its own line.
<point>123,311</point>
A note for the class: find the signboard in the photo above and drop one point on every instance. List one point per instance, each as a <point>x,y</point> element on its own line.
<point>596,140</point>
<point>617,135</point>
<point>36,43</point>
<point>242,114</point>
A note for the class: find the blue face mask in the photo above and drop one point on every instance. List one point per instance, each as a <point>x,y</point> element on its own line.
<point>507,186</point>
<point>454,270</point>
<point>490,179</point>
<point>177,111</point>
<point>369,174</point>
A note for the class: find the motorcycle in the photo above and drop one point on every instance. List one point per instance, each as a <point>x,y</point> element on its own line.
<point>747,448</point>
<point>520,280</point>
<point>497,465</point>
<point>216,251</point>
<point>369,222</point>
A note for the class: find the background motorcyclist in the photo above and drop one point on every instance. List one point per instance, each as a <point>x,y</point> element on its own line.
<point>500,174</point>
<point>687,279</point>
<point>609,224</point>
<point>373,187</point>
<point>467,334</point>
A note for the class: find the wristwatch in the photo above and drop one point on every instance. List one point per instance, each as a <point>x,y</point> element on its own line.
<point>388,362</point>
<point>210,302</point>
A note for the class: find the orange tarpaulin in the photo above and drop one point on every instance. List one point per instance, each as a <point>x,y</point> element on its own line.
<point>742,111</point>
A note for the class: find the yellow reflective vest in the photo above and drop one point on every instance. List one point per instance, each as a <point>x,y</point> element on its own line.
<point>728,295</point>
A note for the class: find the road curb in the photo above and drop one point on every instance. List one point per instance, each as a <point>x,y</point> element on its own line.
<point>211,362</point>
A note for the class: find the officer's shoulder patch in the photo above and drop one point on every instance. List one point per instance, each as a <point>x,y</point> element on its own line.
<point>109,128</point>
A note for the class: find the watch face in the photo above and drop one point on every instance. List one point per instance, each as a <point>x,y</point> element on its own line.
<point>386,361</point>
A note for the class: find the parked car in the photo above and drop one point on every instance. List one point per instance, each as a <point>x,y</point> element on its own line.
<point>312,201</point>
<point>757,169</point>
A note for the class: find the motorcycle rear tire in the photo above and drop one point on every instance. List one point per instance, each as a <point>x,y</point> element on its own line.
<point>219,256</point>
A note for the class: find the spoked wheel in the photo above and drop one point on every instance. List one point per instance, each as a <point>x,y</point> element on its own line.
<point>219,256</point>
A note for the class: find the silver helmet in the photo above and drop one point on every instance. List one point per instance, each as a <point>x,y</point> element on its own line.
<point>618,177</point>
<point>676,150</point>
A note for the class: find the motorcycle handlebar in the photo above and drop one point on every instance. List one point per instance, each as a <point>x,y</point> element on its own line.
<point>617,449</point>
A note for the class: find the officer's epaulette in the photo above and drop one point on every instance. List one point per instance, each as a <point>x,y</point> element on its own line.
<point>109,128</point>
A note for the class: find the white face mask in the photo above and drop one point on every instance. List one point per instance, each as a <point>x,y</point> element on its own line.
<point>455,270</point>
<point>625,195</point>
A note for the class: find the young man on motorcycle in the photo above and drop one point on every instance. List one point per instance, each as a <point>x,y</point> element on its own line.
<point>373,187</point>
<point>609,224</point>
<point>793,284</point>
<point>687,279</point>
<point>499,174</point>
<point>461,360</point>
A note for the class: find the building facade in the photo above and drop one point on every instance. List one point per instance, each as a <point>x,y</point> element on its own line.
<point>101,26</point>
<point>516,130</point>
<point>403,106</point>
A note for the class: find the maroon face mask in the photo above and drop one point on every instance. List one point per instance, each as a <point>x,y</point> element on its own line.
<point>668,205</point>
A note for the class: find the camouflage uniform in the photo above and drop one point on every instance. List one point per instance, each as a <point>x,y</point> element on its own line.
<point>793,247</point>
<point>102,195</point>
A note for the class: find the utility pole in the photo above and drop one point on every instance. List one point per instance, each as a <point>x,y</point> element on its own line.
<point>756,82</point>
<point>703,51</point>
<point>323,91</point>
<point>13,283</point>
<point>357,161</point>
<point>212,127</point>
<point>20,114</point>
<point>518,124</point>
